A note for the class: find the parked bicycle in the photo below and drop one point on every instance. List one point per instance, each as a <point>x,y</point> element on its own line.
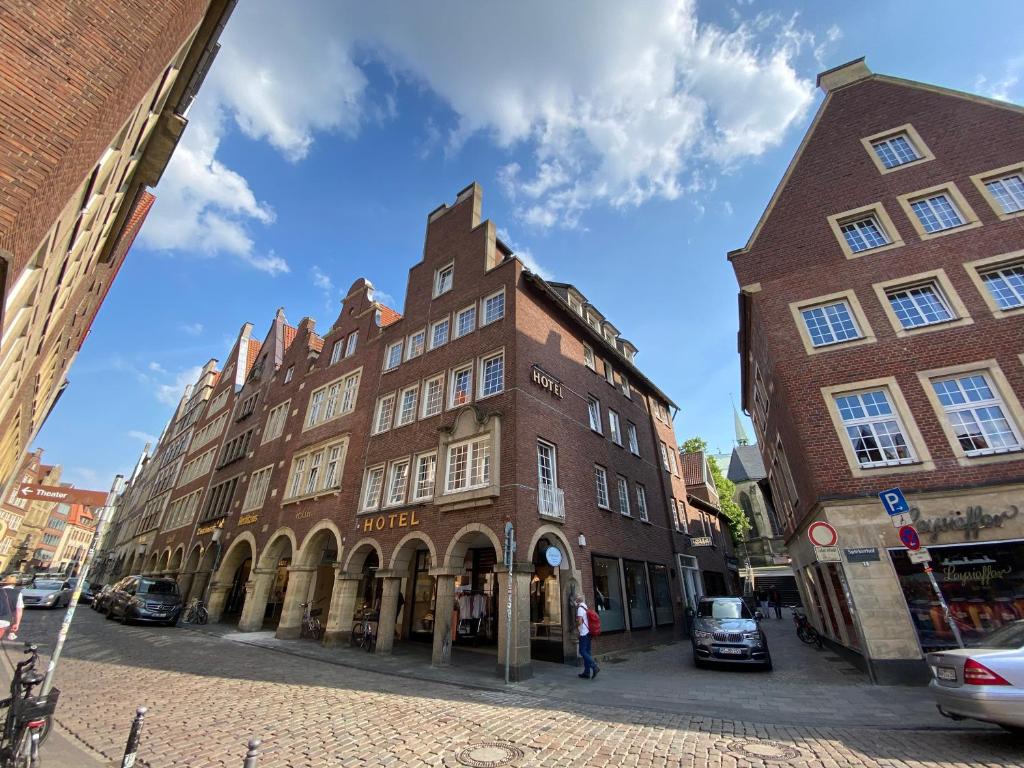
<point>364,632</point>
<point>196,612</point>
<point>311,626</point>
<point>28,717</point>
<point>804,630</point>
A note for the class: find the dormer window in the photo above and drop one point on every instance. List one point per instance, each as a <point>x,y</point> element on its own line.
<point>444,279</point>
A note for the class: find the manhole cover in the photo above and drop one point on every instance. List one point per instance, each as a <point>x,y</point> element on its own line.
<point>490,754</point>
<point>768,751</point>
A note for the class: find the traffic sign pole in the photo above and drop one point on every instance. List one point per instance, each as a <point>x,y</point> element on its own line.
<point>945,608</point>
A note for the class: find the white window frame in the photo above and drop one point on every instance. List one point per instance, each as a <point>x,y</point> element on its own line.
<point>350,343</point>
<point>481,378</point>
<point>601,483</point>
<point>673,465</point>
<point>609,372</point>
<point>641,503</point>
<point>309,470</point>
<point>366,504</point>
<point>378,413</point>
<point>907,289</point>
<point>589,361</point>
<point>336,351</point>
<point>885,142</point>
<point>453,375</point>
<point>259,484</point>
<point>833,326</point>
<point>401,419</point>
<point>289,373</point>
<point>390,500</point>
<point>391,360</point>
<point>276,420</point>
<point>544,447</point>
<point>594,414</point>
<point>971,407</point>
<point>622,488</point>
<point>446,321</point>
<point>1002,271</point>
<point>425,399</point>
<point>332,400</point>
<point>439,288</point>
<point>411,350</point>
<point>484,318</point>
<point>614,427</point>
<point>473,448</point>
<point>458,331</point>
<point>424,459</point>
<point>634,442</point>
<point>870,422</point>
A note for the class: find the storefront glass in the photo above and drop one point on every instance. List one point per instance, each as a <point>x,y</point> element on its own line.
<point>545,607</point>
<point>636,594</point>
<point>608,594</point>
<point>422,627</point>
<point>662,594</point>
<point>982,583</point>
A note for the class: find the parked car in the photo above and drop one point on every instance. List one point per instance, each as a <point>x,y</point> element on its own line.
<point>984,682</point>
<point>101,599</point>
<point>45,592</point>
<point>725,631</point>
<point>85,596</point>
<point>145,598</point>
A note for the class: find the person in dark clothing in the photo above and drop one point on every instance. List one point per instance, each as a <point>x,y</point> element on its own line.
<point>776,601</point>
<point>11,606</point>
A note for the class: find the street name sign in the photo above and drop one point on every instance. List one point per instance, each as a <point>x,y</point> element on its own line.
<point>822,534</point>
<point>62,495</point>
<point>828,555</point>
<point>919,555</point>
<point>909,537</point>
<point>862,555</point>
<point>894,501</point>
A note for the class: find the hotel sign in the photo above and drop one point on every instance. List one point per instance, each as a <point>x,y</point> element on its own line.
<point>547,381</point>
<point>388,522</point>
<point>700,541</point>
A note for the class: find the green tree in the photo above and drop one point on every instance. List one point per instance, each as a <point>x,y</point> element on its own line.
<point>738,523</point>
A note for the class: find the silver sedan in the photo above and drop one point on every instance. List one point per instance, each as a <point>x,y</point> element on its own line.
<point>983,683</point>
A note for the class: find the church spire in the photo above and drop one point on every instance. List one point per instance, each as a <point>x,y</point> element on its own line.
<point>741,432</point>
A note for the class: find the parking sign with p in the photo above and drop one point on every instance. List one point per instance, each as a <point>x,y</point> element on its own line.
<point>894,501</point>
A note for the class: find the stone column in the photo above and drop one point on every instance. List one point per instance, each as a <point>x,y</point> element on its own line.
<point>198,587</point>
<point>257,590</point>
<point>218,597</point>
<point>338,629</point>
<point>520,666</point>
<point>444,604</point>
<point>388,611</point>
<point>299,579</point>
<point>185,579</point>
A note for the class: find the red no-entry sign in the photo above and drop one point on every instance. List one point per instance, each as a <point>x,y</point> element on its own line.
<point>909,537</point>
<point>822,534</point>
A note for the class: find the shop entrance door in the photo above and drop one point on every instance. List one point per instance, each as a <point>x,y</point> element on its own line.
<point>546,630</point>
<point>424,592</point>
<point>236,597</point>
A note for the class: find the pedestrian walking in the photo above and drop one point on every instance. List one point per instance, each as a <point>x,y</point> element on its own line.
<point>11,606</point>
<point>762,600</point>
<point>776,600</point>
<point>584,622</point>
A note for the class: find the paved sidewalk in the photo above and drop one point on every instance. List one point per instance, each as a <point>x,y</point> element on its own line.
<point>803,689</point>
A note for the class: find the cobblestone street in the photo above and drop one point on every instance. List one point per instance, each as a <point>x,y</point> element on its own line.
<point>208,695</point>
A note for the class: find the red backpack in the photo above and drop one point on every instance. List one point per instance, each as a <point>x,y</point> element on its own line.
<point>593,621</point>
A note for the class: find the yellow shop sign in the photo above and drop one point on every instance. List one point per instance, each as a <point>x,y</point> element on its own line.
<point>395,520</point>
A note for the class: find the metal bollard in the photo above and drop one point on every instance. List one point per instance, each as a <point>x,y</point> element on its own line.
<point>131,749</point>
<point>252,754</point>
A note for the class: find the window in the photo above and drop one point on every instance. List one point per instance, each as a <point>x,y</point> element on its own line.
<point>372,487</point>
<point>673,467</point>
<point>864,234</point>
<point>407,406</point>
<point>1008,192</point>
<point>414,348</point>
<point>588,357</point>
<point>460,386</point>
<point>614,428</point>
<point>601,480</point>
<point>426,468</point>
<point>494,307</point>
<point>1005,284</point>
<point>317,469</point>
<point>218,503</point>
<point>398,482</point>
<point>316,401</point>
<point>594,413</point>
<point>275,421</point>
<point>443,279</point>
<point>393,356</point>
<point>236,448</point>
<point>895,151</point>
<point>663,450</point>
<point>492,374</point>
<point>469,465</point>
<point>350,345</point>
<point>465,321</point>
<point>608,594</point>
<point>247,407</point>
<point>333,399</point>
<point>336,350</point>
<point>920,305</point>
<point>439,333</point>
<point>385,412</point>
<point>641,502</point>
<point>623,488</point>
<point>547,471</point>
<point>288,374</point>
<point>634,445</point>
<point>609,372</point>
<point>977,414</point>
<point>873,429</point>
<point>830,323</point>
<point>637,597</point>
<point>195,468</point>
<point>350,389</point>
<point>679,516</point>
<point>433,390</point>
<point>936,213</point>
<point>624,386</point>
<point>259,482</point>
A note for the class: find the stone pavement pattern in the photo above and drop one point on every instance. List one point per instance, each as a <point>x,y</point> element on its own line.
<point>207,696</point>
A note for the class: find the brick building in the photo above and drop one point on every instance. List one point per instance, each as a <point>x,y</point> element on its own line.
<point>26,521</point>
<point>76,537</point>
<point>93,100</point>
<point>374,468</point>
<point>881,308</point>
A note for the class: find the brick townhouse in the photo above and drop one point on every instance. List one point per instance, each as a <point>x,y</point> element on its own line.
<point>93,98</point>
<point>372,469</point>
<point>881,327</point>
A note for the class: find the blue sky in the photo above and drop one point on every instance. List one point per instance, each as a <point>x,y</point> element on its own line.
<point>625,149</point>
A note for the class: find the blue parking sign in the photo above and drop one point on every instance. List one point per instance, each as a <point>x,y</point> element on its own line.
<point>894,501</point>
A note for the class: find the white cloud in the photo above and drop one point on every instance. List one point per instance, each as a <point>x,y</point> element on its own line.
<point>616,106</point>
<point>525,255</point>
<point>170,392</point>
<point>87,478</point>
<point>142,437</point>
<point>1005,85</point>
<point>385,298</point>
<point>156,367</point>
<point>192,329</point>
<point>323,283</point>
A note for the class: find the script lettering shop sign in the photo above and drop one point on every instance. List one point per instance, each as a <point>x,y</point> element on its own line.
<point>547,381</point>
<point>971,521</point>
<point>204,529</point>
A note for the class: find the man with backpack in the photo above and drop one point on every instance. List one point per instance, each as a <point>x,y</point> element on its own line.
<point>588,624</point>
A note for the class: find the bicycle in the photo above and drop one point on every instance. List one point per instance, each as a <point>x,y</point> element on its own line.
<point>804,630</point>
<point>28,718</point>
<point>311,626</point>
<point>364,634</point>
<point>196,612</point>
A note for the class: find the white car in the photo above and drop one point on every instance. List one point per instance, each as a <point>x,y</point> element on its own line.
<point>983,683</point>
<point>46,593</point>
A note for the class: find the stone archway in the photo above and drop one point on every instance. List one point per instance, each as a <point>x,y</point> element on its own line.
<point>187,576</point>
<point>151,566</point>
<point>554,582</point>
<point>161,566</point>
<point>412,564</point>
<point>174,564</point>
<point>229,591</point>
<point>311,579</point>
<point>268,585</point>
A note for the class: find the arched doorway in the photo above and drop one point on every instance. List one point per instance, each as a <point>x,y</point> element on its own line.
<point>549,611</point>
<point>153,561</point>
<point>412,560</point>
<point>227,597</point>
<point>161,565</point>
<point>174,564</point>
<point>473,556</point>
<point>271,581</point>
<point>311,581</point>
<point>187,575</point>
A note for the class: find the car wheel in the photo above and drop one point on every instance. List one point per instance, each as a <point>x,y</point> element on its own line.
<point>124,617</point>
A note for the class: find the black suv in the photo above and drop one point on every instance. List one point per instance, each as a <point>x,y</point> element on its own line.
<point>145,598</point>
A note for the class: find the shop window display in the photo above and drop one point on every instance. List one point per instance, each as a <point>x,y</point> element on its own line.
<point>662,594</point>
<point>546,605</point>
<point>608,594</point>
<point>637,595</point>
<point>982,583</point>
<point>423,595</point>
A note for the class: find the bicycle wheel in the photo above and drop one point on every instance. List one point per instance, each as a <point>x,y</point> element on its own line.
<point>202,615</point>
<point>316,629</point>
<point>807,634</point>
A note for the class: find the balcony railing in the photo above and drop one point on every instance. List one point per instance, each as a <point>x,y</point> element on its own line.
<point>551,502</point>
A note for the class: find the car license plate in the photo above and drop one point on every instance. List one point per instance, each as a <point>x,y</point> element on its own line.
<point>731,651</point>
<point>945,673</point>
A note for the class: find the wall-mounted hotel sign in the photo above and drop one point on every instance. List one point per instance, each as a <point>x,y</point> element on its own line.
<point>546,381</point>
<point>700,541</point>
<point>394,520</point>
<point>210,528</point>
